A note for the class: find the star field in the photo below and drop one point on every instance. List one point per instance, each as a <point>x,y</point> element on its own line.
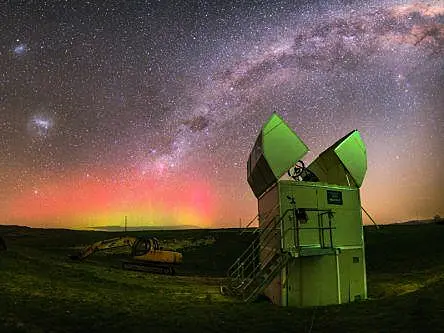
<point>149,109</point>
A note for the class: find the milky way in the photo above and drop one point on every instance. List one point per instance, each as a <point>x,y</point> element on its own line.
<point>151,109</point>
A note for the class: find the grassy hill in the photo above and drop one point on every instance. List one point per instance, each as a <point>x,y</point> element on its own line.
<point>42,291</point>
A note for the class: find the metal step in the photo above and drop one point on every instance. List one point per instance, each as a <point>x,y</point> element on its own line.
<point>267,275</point>
<point>250,287</point>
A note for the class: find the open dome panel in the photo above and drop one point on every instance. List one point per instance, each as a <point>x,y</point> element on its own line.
<point>344,163</point>
<point>352,153</point>
<point>276,150</point>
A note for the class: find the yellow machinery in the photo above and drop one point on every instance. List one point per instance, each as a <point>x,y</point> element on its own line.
<point>145,253</point>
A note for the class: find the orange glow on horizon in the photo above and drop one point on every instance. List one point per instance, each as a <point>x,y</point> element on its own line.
<point>82,201</point>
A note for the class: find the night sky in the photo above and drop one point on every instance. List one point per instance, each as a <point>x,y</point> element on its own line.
<point>149,109</point>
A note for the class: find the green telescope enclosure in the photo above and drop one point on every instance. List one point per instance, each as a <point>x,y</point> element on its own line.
<point>276,150</point>
<point>310,245</point>
<point>344,163</point>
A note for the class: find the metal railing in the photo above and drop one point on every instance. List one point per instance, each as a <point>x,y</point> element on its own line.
<point>247,276</point>
<point>247,272</point>
<point>299,228</point>
<point>258,217</point>
<point>249,254</point>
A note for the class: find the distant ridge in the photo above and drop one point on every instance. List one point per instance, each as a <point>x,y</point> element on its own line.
<point>417,222</point>
<point>141,228</point>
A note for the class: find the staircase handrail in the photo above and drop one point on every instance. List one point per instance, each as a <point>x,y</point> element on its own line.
<point>244,229</point>
<point>258,217</point>
<point>256,269</point>
<point>285,256</point>
<point>254,244</point>
<point>248,255</point>
<point>266,230</point>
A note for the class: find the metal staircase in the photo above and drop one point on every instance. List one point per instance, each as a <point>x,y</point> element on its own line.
<point>265,276</point>
<point>260,263</point>
<point>267,255</point>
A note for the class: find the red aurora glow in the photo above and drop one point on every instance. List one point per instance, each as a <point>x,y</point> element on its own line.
<point>145,196</point>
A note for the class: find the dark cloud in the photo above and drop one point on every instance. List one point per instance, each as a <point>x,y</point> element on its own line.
<point>197,123</point>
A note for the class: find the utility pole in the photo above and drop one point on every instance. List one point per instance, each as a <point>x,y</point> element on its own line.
<point>126,220</point>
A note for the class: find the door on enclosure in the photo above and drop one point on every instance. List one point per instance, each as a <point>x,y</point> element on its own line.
<point>351,268</point>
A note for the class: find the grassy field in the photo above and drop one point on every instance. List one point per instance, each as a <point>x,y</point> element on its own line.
<point>42,291</point>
